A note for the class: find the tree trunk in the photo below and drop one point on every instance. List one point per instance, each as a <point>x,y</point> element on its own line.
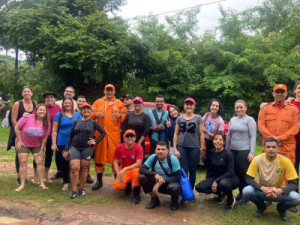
<point>17,56</point>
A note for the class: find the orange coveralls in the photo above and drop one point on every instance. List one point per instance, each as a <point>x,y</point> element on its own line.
<point>105,149</point>
<point>282,122</point>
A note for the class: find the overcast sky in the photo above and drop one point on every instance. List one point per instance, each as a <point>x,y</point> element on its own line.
<point>208,16</point>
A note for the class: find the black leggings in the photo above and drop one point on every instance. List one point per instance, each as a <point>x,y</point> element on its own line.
<point>48,155</point>
<point>148,182</point>
<point>241,165</point>
<point>65,165</point>
<point>226,185</point>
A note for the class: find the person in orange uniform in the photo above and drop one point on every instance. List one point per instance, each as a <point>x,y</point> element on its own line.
<point>131,156</point>
<point>108,114</point>
<point>280,120</point>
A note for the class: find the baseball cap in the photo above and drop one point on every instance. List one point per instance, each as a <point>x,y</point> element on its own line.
<point>280,87</point>
<point>129,96</point>
<point>86,105</point>
<point>109,86</point>
<point>49,93</point>
<point>138,99</point>
<point>190,100</point>
<point>129,132</point>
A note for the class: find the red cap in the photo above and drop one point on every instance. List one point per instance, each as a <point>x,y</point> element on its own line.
<point>130,132</point>
<point>190,100</point>
<point>109,86</point>
<point>86,105</point>
<point>280,87</point>
<point>138,99</point>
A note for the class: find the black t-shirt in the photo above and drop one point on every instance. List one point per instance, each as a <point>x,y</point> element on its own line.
<point>139,123</point>
<point>82,131</point>
<point>221,164</point>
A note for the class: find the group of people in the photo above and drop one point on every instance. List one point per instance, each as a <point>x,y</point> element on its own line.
<point>114,131</point>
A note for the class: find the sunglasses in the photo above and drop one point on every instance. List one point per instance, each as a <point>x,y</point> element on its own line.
<point>129,136</point>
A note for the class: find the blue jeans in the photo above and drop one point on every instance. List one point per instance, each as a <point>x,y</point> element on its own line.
<point>258,197</point>
<point>188,161</point>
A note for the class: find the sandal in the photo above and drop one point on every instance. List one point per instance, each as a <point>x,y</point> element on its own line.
<point>44,187</point>
<point>65,187</point>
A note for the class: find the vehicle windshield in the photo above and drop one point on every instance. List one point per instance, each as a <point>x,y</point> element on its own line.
<point>146,109</point>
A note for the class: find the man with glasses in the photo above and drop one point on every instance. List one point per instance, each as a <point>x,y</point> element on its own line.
<point>130,155</point>
<point>70,93</point>
<point>280,120</point>
<point>108,113</point>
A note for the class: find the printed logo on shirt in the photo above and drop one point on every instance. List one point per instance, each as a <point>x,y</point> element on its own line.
<point>132,156</point>
<point>89,157</point>
<point>279,171</point>
<point>209,126</point>
<point>34,131</point>
<point>221,159</point>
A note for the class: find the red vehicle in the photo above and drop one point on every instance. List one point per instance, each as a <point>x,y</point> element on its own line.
<point>148,106</point>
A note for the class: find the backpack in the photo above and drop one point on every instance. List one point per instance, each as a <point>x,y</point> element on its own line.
<point>158,121</point>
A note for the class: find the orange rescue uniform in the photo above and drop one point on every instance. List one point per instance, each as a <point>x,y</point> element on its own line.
<point>105,149</point>
<point>129,176</point>
<point>282,122</point>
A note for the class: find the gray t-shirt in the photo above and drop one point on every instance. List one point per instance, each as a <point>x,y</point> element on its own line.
<point>242,134</point>
<point>189,131</point>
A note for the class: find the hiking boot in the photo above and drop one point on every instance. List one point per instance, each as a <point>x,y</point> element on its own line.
<point>128,189</point>
<point>89,179</point>
<point>283,215</point>
<point>73,194</point>
<point>242,201</point>
<point>260,211</point>
<point>174,204</point>
<point>81,192</point>
<point>293,209</point>
<point>136,195</point>
<point>230,204</point>
<point>153,203</point>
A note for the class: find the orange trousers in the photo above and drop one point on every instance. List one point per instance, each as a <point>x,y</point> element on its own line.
<point>129,176</point>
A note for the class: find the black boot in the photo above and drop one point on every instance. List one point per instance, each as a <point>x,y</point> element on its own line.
<point>99,182</point>
<point>128,189</point>
<point>136,195</point>
<point>174,205</point>
<point>153,203</point>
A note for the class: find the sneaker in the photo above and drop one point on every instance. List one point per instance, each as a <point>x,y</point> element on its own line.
<point>293,209</point>
<point>220,198</point>
<point>153,203</point>
<point>81,192</point>
<point>242,201</point>
<point>260,212</point>
<point>73,194</point>
<point>229,205</point>
<point>283,215</point>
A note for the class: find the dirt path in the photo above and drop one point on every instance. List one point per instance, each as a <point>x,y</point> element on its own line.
<point>110,213</point>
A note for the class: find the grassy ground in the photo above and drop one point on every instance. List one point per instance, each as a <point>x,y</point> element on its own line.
<point>208,211</point>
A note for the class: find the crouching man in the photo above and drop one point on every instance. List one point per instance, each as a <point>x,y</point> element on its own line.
<point>164,176</point>
<point>272,169</point>
<point>130,155</point>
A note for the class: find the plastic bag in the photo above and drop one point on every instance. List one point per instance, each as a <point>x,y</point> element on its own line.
<point>186,188</point>
<point>5,121</point>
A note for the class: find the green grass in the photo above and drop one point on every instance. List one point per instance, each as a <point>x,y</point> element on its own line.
<point>51,199</point>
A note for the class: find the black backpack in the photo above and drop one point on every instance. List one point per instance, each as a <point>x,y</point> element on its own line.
<point>169,164</point>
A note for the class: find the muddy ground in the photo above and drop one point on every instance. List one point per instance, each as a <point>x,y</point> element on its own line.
<point>110,213</point>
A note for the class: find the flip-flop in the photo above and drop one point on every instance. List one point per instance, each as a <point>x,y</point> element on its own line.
<point>65,188</point>
<point>19,189</point>
<point>44,187</point>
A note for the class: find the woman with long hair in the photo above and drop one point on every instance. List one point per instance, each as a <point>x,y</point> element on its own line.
<point>189,139</point>
<point>32,133</point>
<point>174,112</point>
<point>25,105</point>
<point>80,148</point>
<point>221,179</point>
<point>62,124</point>
<point>241,141</point>
<point>213,123</point>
